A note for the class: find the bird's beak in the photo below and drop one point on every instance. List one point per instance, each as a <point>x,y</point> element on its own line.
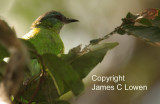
<point>69,20</point>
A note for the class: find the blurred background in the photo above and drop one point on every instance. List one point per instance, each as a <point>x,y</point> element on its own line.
<point>137,60</point>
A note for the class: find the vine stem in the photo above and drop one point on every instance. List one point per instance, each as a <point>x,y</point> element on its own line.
<point>41,77</point>
<point>96,41</point>
<point>36,90</point>
<point>84,50</point>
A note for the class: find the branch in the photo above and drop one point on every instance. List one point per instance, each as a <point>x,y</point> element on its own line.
<point>15,68</point>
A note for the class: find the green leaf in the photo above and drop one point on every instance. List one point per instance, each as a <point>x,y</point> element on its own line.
<point>145,21</point>
<point>2,69</point>
<point>3,53</point>
<point>33,67</point>
<point>121,31</point>
<point>42,103</point>
<point>48,90</point>
<point>129,19</point>
<point>150,28</point>
<point>63,74</point>
<point>72,54</point>
<point>46,93</point>
<point>62,102</point>
<point>131,16</point>
<point>150,22</point>
<point>85,63</point>
<point>149,33</point>
<point>156,21</point>
<point>28,44</point>
<point>149,17</point>
<point>31,48</point>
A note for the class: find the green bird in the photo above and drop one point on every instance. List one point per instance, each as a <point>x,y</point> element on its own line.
<point>44,35</point>
<point>45,31</point>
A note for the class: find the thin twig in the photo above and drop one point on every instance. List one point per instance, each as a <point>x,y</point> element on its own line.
<point>96,41</point>
<point>41,78</point>
<point>36,90</point>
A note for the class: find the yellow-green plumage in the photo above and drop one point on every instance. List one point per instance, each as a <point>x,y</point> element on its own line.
<point>45,40</point>
<point>45,35</point>
<point>45,32</point>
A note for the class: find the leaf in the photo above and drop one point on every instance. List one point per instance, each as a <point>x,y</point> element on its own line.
<point>149,27</point>
<point>85,63</point>
<point>131,16</point>
<point>145,21</point>
<point>129,19</point>
<point>3,53</point>
<point>72,54</point>
<point>156,21</point>
<point>150,17</point>
<point>2,69</point>
<point>49,90</point>
<point>149,33</point>
<point>121,31</point>
<point>31,48</point>
<point>62,102</point>
<point>42,103</point>
<point>46,93</point>
<point>63,74</point>
<point>150,13</point>
<point>33,67</point>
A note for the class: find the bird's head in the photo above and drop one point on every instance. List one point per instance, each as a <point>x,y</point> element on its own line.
<point>52,19</point>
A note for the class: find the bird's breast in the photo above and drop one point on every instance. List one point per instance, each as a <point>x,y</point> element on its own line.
<point>45,41</point>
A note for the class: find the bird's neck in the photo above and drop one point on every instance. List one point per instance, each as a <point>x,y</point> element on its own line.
<point>54,29</point>
<point>38,31</point>
<point>50,26</point>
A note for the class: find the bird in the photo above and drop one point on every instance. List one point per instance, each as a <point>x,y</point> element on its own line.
<point>44,35</point>
<point>45,30</point>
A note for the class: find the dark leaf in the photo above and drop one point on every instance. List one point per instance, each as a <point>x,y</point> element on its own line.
<point>63,74</point>
<point>149,33</point>
<point>31,48</point>
<point>2,69</point>
<point>72,54</point>
<point>121,31</point>
<point>131,16</point>
<point>85,63</point>
<point>145,21</point>
<point>46,93</point>
<point>156,21</point>
<point>62,102</point>
<point>150,28</point>
<point>150,13</point>
<point>3,53</point>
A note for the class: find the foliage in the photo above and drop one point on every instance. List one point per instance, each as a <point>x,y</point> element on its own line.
<point>65,72</point>
<point>145,25</point>
<point>59,74</point>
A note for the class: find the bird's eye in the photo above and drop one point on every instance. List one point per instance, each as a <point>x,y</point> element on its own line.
<point>59,17</point>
